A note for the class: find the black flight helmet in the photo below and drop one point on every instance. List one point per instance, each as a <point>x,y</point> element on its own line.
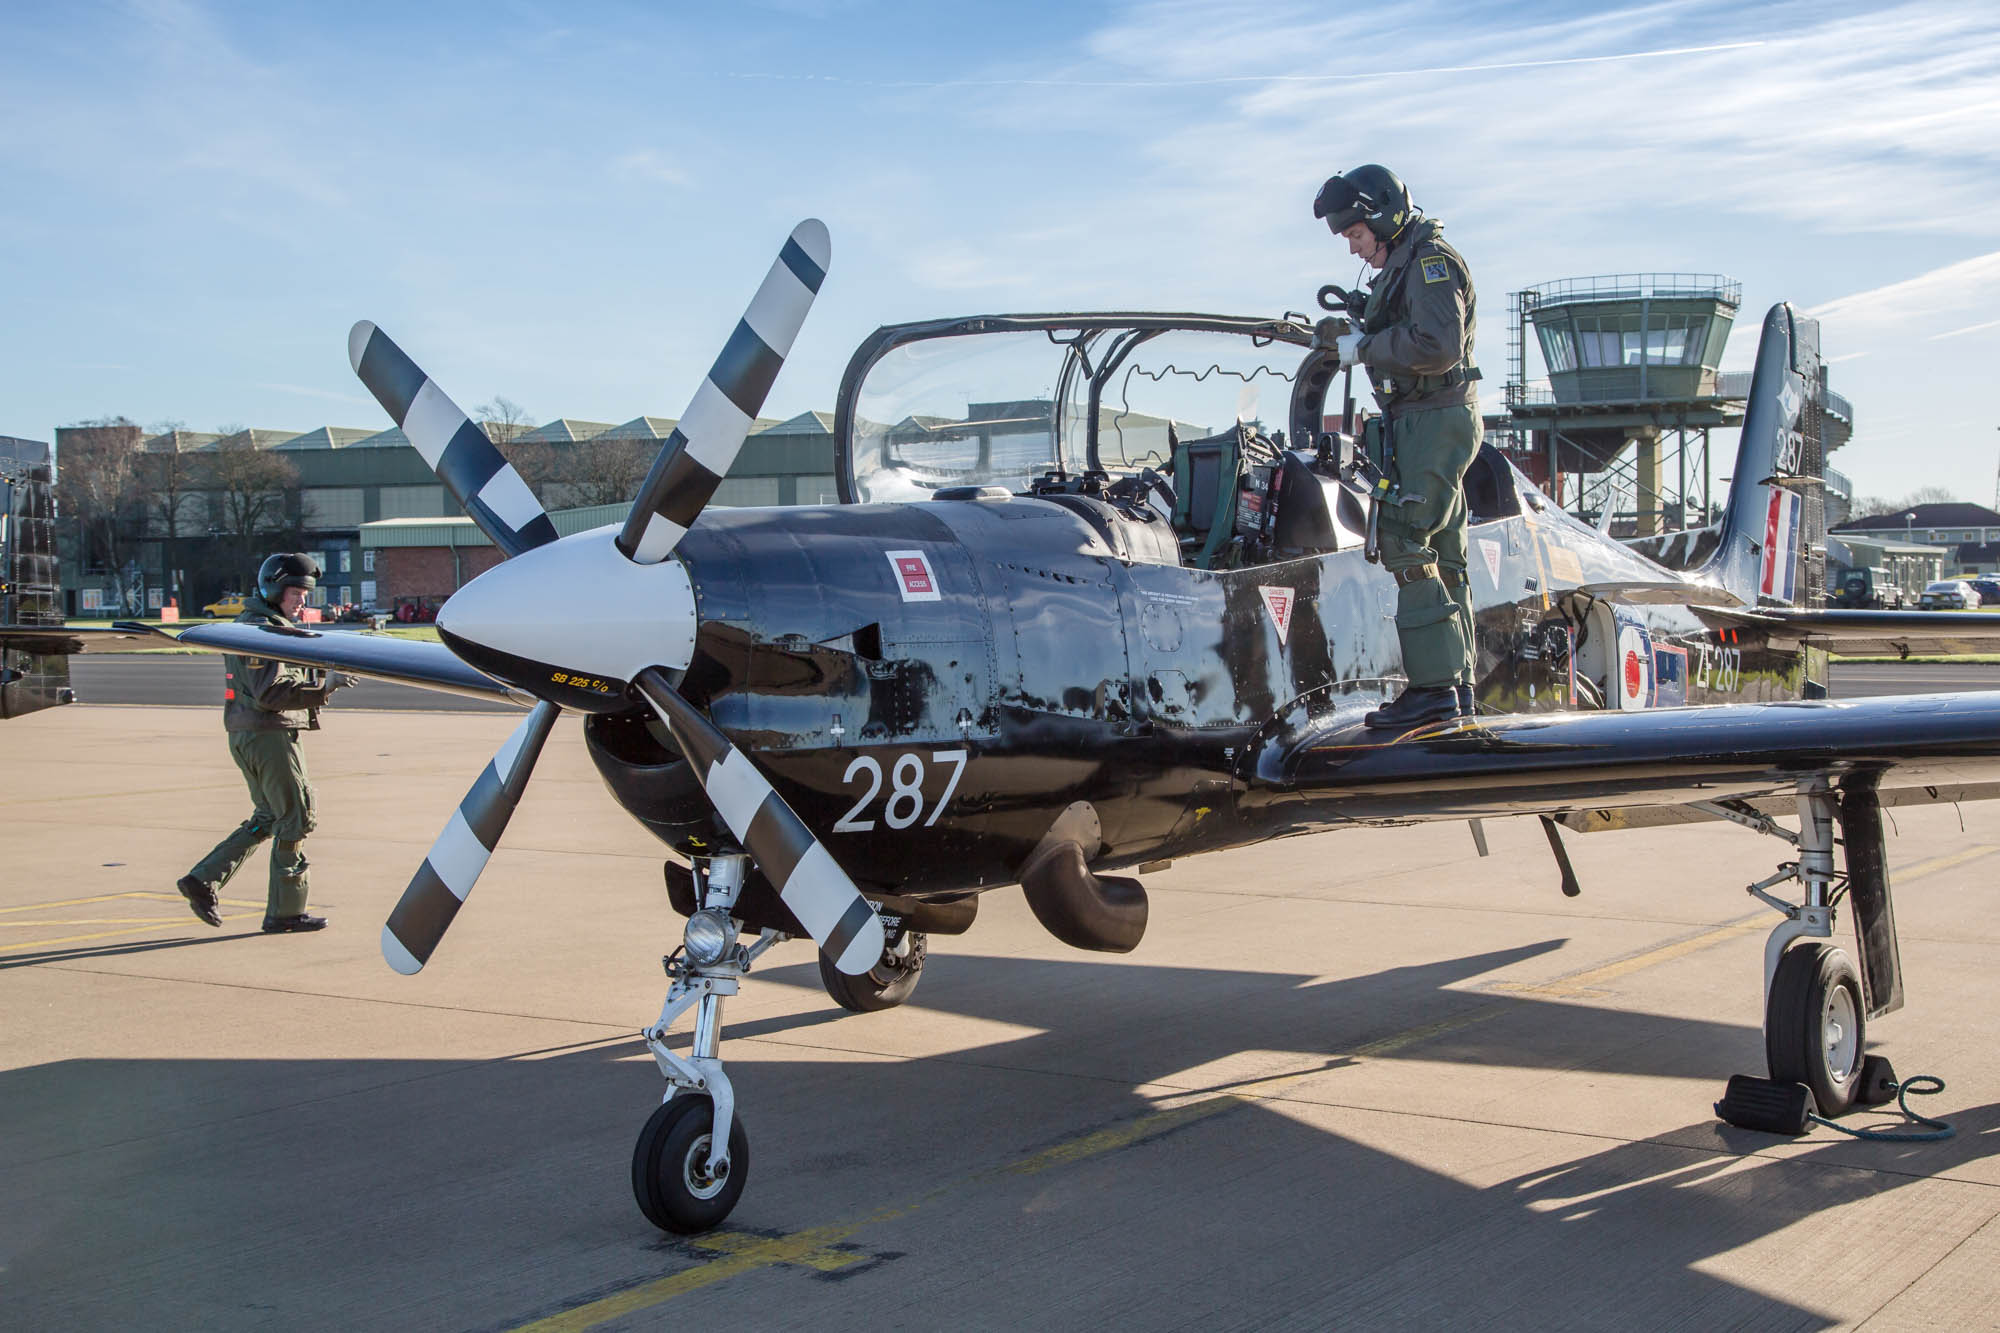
<point>291,569</point>
<point>1369,194</point>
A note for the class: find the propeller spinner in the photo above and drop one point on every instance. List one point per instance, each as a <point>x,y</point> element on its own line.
<point>584,619</point>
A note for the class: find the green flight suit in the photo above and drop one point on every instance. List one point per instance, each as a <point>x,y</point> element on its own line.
<point>265,705</point>
<point>1419,322</point>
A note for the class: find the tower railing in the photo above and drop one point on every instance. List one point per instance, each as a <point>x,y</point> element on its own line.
<point>1637,286</point>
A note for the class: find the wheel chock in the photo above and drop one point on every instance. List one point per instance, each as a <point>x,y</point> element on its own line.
<point>1768,1105</point>
<point>1878,1085</point>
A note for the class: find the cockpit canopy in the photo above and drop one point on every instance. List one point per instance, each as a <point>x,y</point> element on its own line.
<point>1007,400</point>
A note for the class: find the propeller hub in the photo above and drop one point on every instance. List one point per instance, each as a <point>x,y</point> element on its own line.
<point>574,622</point>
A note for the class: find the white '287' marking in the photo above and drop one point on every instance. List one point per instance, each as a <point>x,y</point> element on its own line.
<point>906,789</point>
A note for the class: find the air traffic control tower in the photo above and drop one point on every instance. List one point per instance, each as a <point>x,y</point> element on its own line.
<point>1632,392</point>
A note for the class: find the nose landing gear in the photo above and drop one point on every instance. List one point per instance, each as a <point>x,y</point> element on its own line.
<point>693,1158</point>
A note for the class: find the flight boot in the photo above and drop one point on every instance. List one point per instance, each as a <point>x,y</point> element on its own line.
<point>285,925</point>
<point>1414,707</point>
<point>201,899</point>
<point>1466,706</point>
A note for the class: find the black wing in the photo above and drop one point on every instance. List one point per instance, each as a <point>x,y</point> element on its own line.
<point>430,666</point>
<point>62,640</point>
<point>1559,763</point>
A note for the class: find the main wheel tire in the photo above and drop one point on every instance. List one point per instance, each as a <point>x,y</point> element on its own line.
<point>883,986</point>
<point>669,1167</point>
<point>1815,1025</point>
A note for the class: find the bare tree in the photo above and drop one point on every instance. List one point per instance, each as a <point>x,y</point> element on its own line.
<point>504,419</point>
<point>98,484</point>
<point>606,471</point>
<point>169,478</point>
<point>1870,506</point>
<point>248,503</point>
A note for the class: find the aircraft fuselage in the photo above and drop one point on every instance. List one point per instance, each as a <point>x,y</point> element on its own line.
<point>933,685</point>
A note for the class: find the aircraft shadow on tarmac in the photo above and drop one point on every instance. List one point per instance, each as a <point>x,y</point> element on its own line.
<point>1112,1017</point>
<point>211,1181</point>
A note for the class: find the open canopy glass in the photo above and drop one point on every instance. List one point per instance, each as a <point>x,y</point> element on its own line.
<point>1005,400</point>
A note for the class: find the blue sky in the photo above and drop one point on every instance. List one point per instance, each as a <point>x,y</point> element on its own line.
<point>569,204</point>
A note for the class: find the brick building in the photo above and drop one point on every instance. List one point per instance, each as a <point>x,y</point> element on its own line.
<point>349,481</point>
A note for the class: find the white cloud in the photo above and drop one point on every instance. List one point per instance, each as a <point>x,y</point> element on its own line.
<point>652,165</point>
<point>307,391</point>
<point>958,268</point>
<point>1959,333</point>
<point>1970,284</point>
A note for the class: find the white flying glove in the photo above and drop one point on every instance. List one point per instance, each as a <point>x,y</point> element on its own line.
<point>1348,345</point>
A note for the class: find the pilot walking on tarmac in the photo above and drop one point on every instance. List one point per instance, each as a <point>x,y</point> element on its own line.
<point>1415,344</point>
<point>265,704</point>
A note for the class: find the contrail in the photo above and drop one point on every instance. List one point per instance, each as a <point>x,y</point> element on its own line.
<point>1970,328</point>
<point>1249,78</point>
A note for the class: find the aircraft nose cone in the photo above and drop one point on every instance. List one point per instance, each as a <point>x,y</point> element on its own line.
<point>573,615</point>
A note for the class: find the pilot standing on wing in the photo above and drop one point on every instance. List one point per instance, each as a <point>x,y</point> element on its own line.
<point>1415,343</point>
<point>264,706</point>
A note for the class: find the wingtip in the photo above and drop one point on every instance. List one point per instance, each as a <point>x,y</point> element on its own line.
<point>397,956</point>
<point>813,238</point>
<point>357,342</point>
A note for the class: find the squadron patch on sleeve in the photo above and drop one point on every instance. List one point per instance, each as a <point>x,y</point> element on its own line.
<point>1436,269</point>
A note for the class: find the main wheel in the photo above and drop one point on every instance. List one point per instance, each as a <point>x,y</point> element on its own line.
<point>883,986</point>
<point>670,1166</point>
<point>1815,1025</point>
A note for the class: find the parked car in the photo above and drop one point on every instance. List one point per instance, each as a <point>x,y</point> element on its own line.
<point>1988,590</point>
<point>1948,595</point>
<point>230,604</point>
<point>1868,588</point>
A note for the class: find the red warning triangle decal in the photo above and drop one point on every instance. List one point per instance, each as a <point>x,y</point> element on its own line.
<point>1278,601</point>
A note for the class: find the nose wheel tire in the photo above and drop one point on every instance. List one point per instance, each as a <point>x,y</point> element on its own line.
<point>670,1167</point>
<point>1815,1025</point>
<point>883,986</point>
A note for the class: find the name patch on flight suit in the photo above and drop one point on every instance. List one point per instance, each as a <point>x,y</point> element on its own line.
<point>1436,269</point>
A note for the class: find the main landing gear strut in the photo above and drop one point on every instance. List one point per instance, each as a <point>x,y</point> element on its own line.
<point>1816,1002</point>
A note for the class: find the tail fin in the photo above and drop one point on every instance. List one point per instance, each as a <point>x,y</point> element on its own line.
<point>1765,527</point>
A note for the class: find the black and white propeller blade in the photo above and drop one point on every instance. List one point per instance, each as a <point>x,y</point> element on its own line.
<point>704,443</point>
<point>455,446</point>
<point>461,851</point>
<point>611,610</point>
<point>806,876</point>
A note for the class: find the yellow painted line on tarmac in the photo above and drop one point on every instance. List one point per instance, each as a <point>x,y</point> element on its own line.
<point>813,1248</point>
<point>1577,983</point>
<point>82,902</point>
<point>82,921</point>
<point>1590,979</point>
<point>147,894</point>
<point>113,934</point>
<point>1937,863</point>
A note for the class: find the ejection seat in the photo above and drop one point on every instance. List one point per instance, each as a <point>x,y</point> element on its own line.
<point>1490,491</point>
<point>1206,474</point>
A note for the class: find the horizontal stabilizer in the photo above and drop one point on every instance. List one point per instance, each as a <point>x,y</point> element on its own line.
<point>1672,592</point>
<point>1885,633</point>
